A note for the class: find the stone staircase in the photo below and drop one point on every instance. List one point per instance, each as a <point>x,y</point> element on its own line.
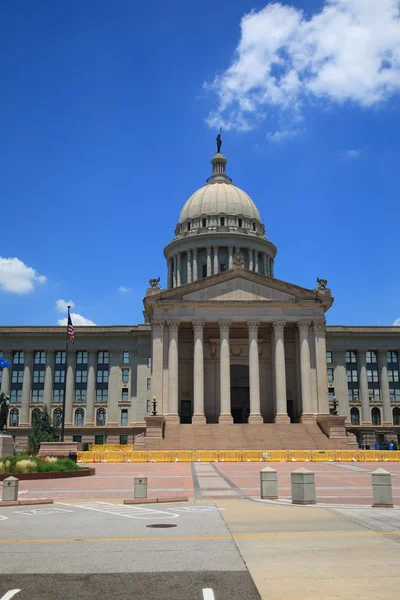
<point>269,436</point>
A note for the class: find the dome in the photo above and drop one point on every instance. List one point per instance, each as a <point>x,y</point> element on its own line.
<point>219,198</point>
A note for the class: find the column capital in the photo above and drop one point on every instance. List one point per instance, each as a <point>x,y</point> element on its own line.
<point>194,250</point>
<point>278,326</point>
<point>157,326</point>
<point>224,325</point>
<point>115,352</point>
<point>303,325</point>
<point>215,247</point>
<point>362,352</point>
<point>253,325</point>
<point>319,325</point>
<point>71,353</point>
<point>382,354</point>
<point>198,326</point>
<point>340,353</point>
<point>173,326</point>
<point>28,353</point>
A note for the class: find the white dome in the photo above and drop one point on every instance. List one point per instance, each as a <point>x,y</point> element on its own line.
<point>219,199</point>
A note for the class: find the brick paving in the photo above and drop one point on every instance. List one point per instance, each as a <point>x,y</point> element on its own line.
<point>337,483</point>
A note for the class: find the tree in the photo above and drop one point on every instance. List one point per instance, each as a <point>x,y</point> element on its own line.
<point>42,430</point>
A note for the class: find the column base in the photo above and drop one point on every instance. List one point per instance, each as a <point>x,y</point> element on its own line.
<point>172,418</point>
<point>387,423</point>
<point>255,419</point>
<point>308,418</point>
<point>366,423</point>
<point>199,419</point>
<point>225,419</point>
<point>282,418</point>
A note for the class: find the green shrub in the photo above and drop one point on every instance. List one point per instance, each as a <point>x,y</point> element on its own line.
<point>31,464</point>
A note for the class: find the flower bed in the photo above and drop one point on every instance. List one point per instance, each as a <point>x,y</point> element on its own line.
<point>32,467</point>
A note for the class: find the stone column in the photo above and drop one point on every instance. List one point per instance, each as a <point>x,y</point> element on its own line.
<point>254,374</point>
<point>271,267</point>
<point>305,370</point>
<point>5,379</point>
<point>265,269</point>
<point>91,389</point>
<point>322,375</point>
<point>225,374</point>
<point>216,263</point>
<point>195,268</point>
<point>114,387</point>
<point>256,261</point>
<point>198,374</point>
<point>157,334</point>
<point>384,385</point>
<point>178,269</point>
<point>209,264</point>
<point>48,379</point>
<point>365,409</point>
<point>341,387</point>
<point>170,265</point>
<point>173,377</point>
<point>70,386</point>
<point>174,272</point>
<point>250,253</point>
<point>26,387</point>
<point>189,266</point>
<point>230,259</point>
<point>280,373</point>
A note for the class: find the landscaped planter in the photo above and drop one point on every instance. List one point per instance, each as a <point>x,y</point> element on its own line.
<point>83,472</point>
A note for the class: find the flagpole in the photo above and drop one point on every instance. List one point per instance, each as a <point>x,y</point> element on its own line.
<point>65,378</point>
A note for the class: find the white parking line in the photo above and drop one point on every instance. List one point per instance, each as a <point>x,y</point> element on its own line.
<point>8,595</point>
<point>208,594</point>
<point>122,510</point>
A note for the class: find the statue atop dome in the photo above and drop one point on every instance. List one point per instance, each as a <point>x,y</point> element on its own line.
<point>219,141</point>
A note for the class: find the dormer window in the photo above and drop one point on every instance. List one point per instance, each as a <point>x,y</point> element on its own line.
<point>188,226</point>
<point>204,222</point>
<point>222,221</point>
<point>239,222</point>
<point>254,226</point>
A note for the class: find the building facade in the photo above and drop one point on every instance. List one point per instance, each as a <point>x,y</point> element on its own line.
<point>225,342</point>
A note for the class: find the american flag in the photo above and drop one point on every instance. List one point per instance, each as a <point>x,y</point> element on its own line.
<point>71,330</point>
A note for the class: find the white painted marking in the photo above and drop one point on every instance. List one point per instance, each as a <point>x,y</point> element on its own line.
<point>208,594</point>
<point>42,511</point>
<point>196,508</point>
<point>3,519</point>
<point>124,510</point>
<point>10,594</point>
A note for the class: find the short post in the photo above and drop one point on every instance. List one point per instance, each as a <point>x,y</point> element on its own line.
<point>269,483</point>
<point>10,489</point>
<point>303,487</point>
<point>382,489</point>
<point>140,486</point>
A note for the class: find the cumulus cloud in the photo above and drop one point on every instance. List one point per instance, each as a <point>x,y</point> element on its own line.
<point>124,289</point>
<point>352,154</point>
<point>283,134</point>
<point>347,52</point>
<point>62,305</point>
<point>77,319</point>
<point>397,322</point>
<point>17,277</point>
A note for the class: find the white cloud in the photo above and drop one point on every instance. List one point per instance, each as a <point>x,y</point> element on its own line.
<point>77,320</point>
<point>124,289</point>
<point>62,305</point>
<point>352,154</point>
<point>283,134</point>
<point>17,277</point>
<point>347,52</point>
<point>397,322</point>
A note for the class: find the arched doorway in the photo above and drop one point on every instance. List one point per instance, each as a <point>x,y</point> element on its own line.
<point>240,396</point>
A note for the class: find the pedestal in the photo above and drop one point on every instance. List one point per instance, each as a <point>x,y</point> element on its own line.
<point>225,419</point>
<point>255,419</point>
<point>282,418</point>
<point>6,445</point>
<point>199,419</point>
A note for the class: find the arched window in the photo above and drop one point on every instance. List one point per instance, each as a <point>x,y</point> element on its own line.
<point>14,417</point>
<point>57,417</point>
<point>36,414</point>
<point>376,416</point>
<point>396,416</point>
<point>100,416</point>
<point>355,416</point>
<point>79,417</point>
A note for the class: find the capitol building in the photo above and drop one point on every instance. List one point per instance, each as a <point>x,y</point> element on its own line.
<point>233,355</point>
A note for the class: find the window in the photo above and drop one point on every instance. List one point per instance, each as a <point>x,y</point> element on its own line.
<point>254,226</point>
<point>58,395</point>
<point>79,420</point>
<point>40,358</point>
<point>329,358</point>
<point>81,358</point>
<point>124,417</point>
<point>14,417</point>
<point>331,395</point>
<point>102,376</point>
<point>99,439</point>
<point>355,416</point>
<point>222,221</point>
<point>77,438</point>
<point>394,395</point>
<point>102,358</point>
<point>123,439</point>
<point>101,395</point>
<point>59,376</point>
<point>376,416</point>
<point>37,396</point>
<point>57,417</point>
<point>372,356</point>
<point>393,376</point>
<point>373,395</point>
<point>125,375</point>
<point>396,416</point>
<point>188,226</point>
<point>351,356</point>
<point>125,358</point>
<point>330,374</point>
<point>204,268</point>
<point>392,356</point>
<point>149,362</point>
<point>149,383</point>
<point>124,396</point>
<point>352,375</point>
<point>204,222</point>
<point>18,358</point>
<point>239,222</point>
<point>60,358</point>
<point>80,395</point>
<point>372,376</point>
<point>17,377</point>
<point>16,396</point>
<point>38,376</point>
<point>148,406</point>
<point>81,377</point>
<point>222,267</point>
<point>354,395</point>
<point>36,414</point>
<point>100,417</point>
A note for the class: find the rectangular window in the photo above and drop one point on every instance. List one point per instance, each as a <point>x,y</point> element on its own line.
<point>148,406</point>
<point>330,374</point>
<point>18,358</point>
<point>125,357</point>
<point>37,396</point>
<point>331,394</point>
<point>102,358</point>
<point>81,377</point>
<point>60,358</point>
<point>393,376</point>
<point>353,395</point>
<point>149,362</point>
<point>392,356</point>
<point>123,439</point>
<point>149,383</point>
<point>99,440</point>
<point>372,376</point>
<point>125,396</point>
<point>352,375</point>
<point>102,376</point>
<point>16,396</point>
<point>59,376</point>
<point>373,395</point>
<point>40,358</point>
<point>222,221</point>
<point>222,267</point>
<point>80,395</point>
<point>351,356</point>
<point>372,356</point>
<point>329,358</point>
<point>204,222</point>
<point>239,222</point>
<point>125,375</point>
<point>101,395</point>
<point>38,376</point>
<point>77,438</point>
<point>204,270</point>
<point>124,417</point>
<point>17,377</point>
<point>58,395</point>
<point>81,358</point>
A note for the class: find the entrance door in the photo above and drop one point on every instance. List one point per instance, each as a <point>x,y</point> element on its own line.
<point>186,412</point>
<point>240,396</point>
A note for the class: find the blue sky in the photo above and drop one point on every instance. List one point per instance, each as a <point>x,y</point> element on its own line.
<point>109,112</point>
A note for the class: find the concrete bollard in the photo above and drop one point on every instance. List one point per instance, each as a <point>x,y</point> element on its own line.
<point>10,489</point>
<point>269,483</point>
<point>303,487</point>
<point>140,486</point>
<point>382,489</point>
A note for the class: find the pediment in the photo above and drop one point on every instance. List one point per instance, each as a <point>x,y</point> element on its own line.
<point>240,290</point>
